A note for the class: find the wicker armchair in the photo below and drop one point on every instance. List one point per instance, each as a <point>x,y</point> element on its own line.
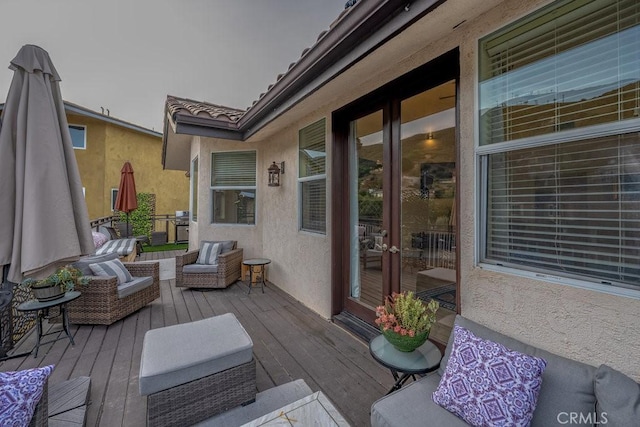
<point>100,304</point>
<point>227,272</point>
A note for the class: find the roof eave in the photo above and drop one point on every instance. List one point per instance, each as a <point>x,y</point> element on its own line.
<point>362,21</point>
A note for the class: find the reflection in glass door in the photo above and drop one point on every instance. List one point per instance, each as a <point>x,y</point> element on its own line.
<point>402,162</point>
<point>366,209</point>
<point>427,197</point>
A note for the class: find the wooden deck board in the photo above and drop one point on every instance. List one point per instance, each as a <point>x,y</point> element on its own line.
<point>290,342</point>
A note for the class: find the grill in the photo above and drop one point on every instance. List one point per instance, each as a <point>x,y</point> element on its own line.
<point>182,226</point>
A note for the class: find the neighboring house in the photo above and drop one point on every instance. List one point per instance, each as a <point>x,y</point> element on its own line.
<point>103,144</point>
<point>495,144</point>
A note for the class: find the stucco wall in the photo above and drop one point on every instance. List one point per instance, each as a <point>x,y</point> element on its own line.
<point>300,260</point>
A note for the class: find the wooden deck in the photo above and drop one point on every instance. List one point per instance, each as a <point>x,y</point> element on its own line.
<point>290,342</point>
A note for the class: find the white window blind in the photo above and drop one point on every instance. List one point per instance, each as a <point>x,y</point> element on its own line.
<point>573,64</point>
<point>571,208</point>
<point>312,177</point>
<point>233,187</point>
<point>233,169</point>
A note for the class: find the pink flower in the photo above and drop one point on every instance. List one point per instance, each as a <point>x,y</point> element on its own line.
<point>411,333</point>
<point>397,328</point>
<point>403,331</point>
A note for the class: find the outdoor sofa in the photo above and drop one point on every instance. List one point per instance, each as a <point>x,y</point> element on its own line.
<point>105,301</point>
<point>224,271</point>
<point>572,393</point>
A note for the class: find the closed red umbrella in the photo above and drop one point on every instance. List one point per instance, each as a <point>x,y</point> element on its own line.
<point>127,200</point>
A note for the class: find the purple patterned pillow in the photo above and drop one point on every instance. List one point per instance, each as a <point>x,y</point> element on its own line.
<point>20,393</point>
<point>486,384</point>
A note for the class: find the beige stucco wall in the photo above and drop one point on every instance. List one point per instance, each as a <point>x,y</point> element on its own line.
<point>300,260</point>
<point>586,325</point>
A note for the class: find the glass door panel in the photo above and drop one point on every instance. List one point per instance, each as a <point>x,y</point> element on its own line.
<point>366,197</point>
<point>427,193</point>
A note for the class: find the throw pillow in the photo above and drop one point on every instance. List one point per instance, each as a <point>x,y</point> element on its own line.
<point>209,253</point>
<point>485,383</point>
<point>112,268</point>
<point>99,239</point>
<point>20,393</point>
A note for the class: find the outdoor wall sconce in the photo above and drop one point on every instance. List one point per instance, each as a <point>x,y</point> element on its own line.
<point>274,174</point>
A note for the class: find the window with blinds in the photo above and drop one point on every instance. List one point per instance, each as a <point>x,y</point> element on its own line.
<point>233,187</point>
<point>312,177</point>
<point>560,203</point>
<point>570,65</point>
<point>572,208</point>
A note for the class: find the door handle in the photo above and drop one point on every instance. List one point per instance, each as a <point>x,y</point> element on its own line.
<point>394,250</point>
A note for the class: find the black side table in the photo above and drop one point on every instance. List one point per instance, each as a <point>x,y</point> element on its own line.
<point>405,365</point>
<point>256,266</point>
<point>42,308</point>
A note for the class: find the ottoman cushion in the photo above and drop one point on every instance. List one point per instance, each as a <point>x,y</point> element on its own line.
<point>178,354</point>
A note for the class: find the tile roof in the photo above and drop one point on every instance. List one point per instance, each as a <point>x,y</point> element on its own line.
<point>189,107</point>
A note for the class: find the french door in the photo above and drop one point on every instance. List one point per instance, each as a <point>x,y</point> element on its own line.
<point>397,169</point>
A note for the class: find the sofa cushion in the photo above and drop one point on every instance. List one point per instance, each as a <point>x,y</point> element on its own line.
<point>412,406</point>
<point>83,263</point>
<point>199,268</point>
<point>485,383</point>
<point>567,385</point>
<point>178,354</point>
<point>208,254</point>
<point>618,398</point>
<point>20,393</point>
<point>112,268</point>
<point>122,247</point>
<point>227,245</point>
<point>134,285</point>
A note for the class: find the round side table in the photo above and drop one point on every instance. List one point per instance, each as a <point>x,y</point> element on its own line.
<point>256,266</point>
<point>405,365</point>
<point>42,309</point>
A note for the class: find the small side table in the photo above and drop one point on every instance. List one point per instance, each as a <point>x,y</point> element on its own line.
<point>256,266</point>
<point>43,313</point>
<point>404,365</point>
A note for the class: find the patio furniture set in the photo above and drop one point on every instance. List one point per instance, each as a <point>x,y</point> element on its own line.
<point>569,390</point>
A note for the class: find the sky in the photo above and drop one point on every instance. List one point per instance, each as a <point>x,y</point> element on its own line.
<point>128,55</point>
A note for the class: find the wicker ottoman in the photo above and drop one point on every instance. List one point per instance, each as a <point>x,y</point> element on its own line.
<point>192,371</point>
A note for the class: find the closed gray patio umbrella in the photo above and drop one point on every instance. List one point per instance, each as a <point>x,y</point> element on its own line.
<point>43,215</point>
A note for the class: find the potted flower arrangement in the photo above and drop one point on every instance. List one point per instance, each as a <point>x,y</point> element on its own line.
<point>405,320</point>
<point>55,285</point>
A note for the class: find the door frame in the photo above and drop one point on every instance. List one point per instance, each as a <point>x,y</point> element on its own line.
<point>388,99</point>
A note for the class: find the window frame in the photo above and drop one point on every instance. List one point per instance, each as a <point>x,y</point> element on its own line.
<point>482,155</point>
<point>213,189</point>
<point>193,190</point>
<point>114,196</point>
<point>312,178</point>
<point>84,134</point>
